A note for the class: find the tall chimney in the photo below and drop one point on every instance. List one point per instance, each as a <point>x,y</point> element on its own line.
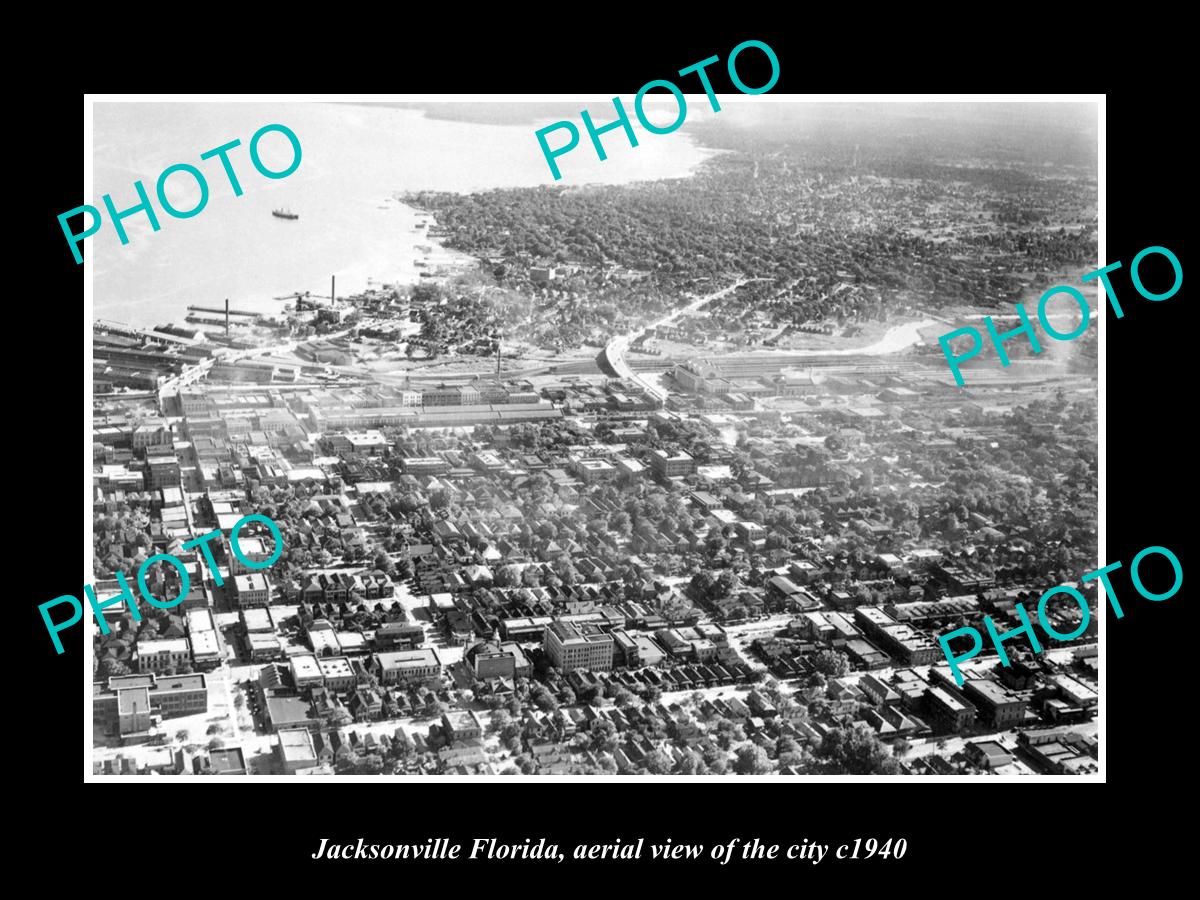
<point>333,289</point>
<point>226,316</point>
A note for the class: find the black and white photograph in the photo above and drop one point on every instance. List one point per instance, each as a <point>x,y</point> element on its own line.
<point>469,437</point>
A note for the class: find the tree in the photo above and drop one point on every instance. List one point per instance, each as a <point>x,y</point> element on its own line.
<point>651,694</point>
<point>500,719</point>
<point>833,663</point>
<point>604,736</point>
<point>526,764</point>
<point>182,735</point>
<point>216,744</point>
<point>510,736</point>
<point>690,763</point>
<point>112,668</point>
<point>726,584</point>
<point>623,697</point>
<point>238,700</point>
<point>786,745</point>
<point>751,760</point>
<point>700,586</point>
<point>657,763</point>
<point>856,750</point>
<point>729,733</point>
<point>371,764</point>
<point>508,575</point>
<point>213,729</point>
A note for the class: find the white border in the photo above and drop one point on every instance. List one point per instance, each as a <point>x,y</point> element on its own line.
<point>88,304</point>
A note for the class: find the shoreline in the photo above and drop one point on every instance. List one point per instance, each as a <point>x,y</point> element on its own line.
<point>357,279</point>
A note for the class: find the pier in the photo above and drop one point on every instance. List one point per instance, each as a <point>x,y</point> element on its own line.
<point>232,312</point>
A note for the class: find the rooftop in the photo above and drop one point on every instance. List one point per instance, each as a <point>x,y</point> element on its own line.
<point>296,744</point>
<point>335,667</point>
<point>169,645</point>
<point>409,659</point>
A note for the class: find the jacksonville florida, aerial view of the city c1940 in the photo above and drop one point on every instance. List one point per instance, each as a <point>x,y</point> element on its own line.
<point>654,469</point>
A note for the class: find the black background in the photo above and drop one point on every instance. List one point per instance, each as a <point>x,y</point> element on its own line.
<point>972,831</point>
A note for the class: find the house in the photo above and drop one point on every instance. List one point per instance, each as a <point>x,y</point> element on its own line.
<point>880,692</point>
<point>324,748</point>
<point>760,705</point>
<point>366,705</point>
<point>461,725</point>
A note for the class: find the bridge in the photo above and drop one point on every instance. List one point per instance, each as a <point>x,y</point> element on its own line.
<point>611,359</point>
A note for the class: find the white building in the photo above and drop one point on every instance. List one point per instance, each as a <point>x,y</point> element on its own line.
<point>157,656</point>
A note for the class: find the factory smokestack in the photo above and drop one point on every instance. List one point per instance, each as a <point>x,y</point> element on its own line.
<point>333,289</point>
<point>226,316</point>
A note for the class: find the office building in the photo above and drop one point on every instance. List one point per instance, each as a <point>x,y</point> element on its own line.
<point>580,646</point>
<point>251,590</point>
<point>671,465</point>
<point>130,704</point>
<point>408,666</point>
<point>948,710</point>
<point>160,655</point>
<point>999,706</point>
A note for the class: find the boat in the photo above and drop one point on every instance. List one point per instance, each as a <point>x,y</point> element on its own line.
<point>284,214</point>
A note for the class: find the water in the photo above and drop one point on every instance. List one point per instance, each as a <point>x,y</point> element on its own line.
<point>354,159</point>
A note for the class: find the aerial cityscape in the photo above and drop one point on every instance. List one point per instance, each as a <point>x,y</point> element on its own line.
<point>662,473</point>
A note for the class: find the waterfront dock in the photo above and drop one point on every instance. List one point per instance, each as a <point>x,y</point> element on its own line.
<point>232,312</point>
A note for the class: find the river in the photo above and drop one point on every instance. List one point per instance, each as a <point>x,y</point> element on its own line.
<point>355,158</point>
